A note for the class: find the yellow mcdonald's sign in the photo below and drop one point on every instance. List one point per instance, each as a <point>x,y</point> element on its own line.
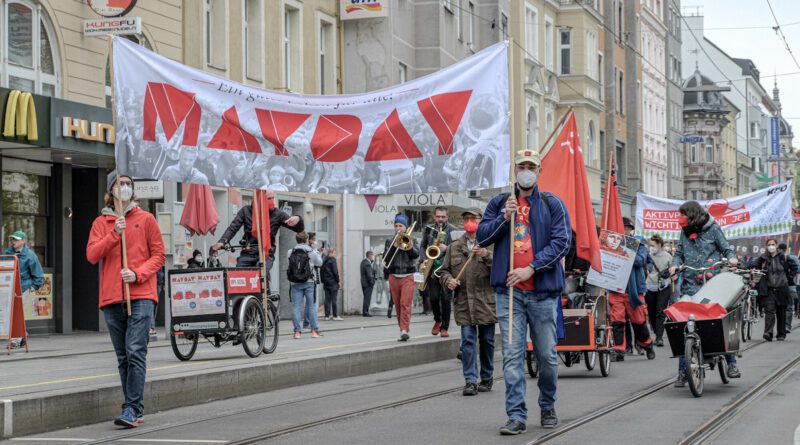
<point>20,116</point>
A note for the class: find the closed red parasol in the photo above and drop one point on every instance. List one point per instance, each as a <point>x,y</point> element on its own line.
<point>200,215</point>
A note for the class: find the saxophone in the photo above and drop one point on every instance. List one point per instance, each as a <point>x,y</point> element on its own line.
<point>431,254</point>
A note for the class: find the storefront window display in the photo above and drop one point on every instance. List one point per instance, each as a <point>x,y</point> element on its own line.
<point>25,208</point>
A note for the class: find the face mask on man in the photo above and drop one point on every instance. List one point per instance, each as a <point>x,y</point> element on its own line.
<point>471,226</point>
<point>526,179</point>
<point>772,249</point>
<point>125,193</point>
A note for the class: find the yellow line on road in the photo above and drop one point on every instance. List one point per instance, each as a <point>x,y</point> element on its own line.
<point>180,365</point>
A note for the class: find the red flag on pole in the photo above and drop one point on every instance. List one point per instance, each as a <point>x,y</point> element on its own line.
<point>564,175</point>
<point>612,211</point>
<point>263,202</point>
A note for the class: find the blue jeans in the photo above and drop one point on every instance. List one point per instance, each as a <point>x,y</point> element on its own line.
<point>470,336</point>
<point>304,293</point>
<point>129,335</point>
<point>730,358</point>
<point>541,314</point>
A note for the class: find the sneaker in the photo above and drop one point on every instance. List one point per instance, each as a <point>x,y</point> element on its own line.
<point>328,318</point>
<point>315,334</point>
<point>680,381</point>
<point>485,385</point>
<point>651,353</point>
<point>513,427</point>
<point>470,389</point>
<point>780,338</point>
<point>337,318</point>
<point>458,355</point>
<point>296,335</point>
<point>403,336</point>
<point>659,342</point>
<point>617,356</point>
<point>733,372</point>
<point>444,333</point>
<point>768,337</point>
<point>127,419</point>
<point>639,350</point>
<point>629,350</point>
<point>436,328</point>
<point>549,419</point>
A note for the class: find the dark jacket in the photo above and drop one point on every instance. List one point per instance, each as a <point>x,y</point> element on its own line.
<point>637,284</point>
<point>709,244</point>
<point>429,235</point>
<point>367,274</point>
<point>404,261</point>
<point>329,272</point>
<point>780,272</point>
<point>277,219</point>
<point>550,237</point>
<point>474,299</point>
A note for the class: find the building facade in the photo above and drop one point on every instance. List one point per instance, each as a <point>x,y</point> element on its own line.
<point>654,98</point>
<point>674,99</point>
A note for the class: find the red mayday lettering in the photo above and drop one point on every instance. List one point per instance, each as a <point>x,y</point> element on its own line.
<point>231,136</point>
<point>336,137</point>
<point>277,126</point>
<point>391,141</point>
<point>443,113</point>
<point>173,108</point>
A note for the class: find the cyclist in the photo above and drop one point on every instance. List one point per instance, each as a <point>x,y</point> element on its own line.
<point>701,242</point>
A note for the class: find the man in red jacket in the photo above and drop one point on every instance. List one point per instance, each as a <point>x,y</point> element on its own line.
<point>146,255</point>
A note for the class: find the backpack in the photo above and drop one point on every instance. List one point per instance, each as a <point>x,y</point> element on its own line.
<point>299,270</point>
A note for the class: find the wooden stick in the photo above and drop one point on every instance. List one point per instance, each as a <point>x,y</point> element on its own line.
<point>121,212</point>
<point>512,176</point>
<point>256,217</point>
<point>464,267</point>
<point>543,150</point>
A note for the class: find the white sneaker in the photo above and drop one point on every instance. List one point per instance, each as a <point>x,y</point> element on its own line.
<point>328,318</point>
<point>403,336</point>
<point>338,318</point>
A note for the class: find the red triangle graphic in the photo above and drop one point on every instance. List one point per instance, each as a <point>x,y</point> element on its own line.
<point>371,201</point>
<point>277,126</point>
<point>443,113</point>
<point>391,141</point>
<point>336,137</point>
<point>231,136</point>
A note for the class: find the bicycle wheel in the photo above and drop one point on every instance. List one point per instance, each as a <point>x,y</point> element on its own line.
<point>589,359</point>
<point>723,370</point>
<point>252,330</point>
<point>271,328</point>
<point>533,364</point>
<point>694,366</point>
<point>605,363</point>
<point>184,345</point>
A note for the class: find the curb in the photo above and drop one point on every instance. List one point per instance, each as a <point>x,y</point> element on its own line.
<point>26,416</point>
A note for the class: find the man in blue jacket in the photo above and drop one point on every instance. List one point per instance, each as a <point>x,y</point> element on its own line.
<point>631,303</point>
<point>542,233</point>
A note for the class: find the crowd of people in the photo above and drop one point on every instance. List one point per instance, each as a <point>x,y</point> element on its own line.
<point>466,278</point>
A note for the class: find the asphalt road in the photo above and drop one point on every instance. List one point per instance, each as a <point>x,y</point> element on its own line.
<point>423,404</point>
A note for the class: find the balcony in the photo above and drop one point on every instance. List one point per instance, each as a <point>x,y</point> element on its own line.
<point>591,4</point>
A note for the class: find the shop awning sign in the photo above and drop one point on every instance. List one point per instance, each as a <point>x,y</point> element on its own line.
<point>122,26</point>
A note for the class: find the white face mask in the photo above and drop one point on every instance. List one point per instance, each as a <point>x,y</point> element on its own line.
<point>653,250</point>
<point>125,193</point>
<point>526,179</point>
<point>772,249</point>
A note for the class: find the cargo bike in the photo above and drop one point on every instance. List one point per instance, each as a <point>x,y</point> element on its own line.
<point>221,305</point>
<point>702,332</point>
<point>587,329</point>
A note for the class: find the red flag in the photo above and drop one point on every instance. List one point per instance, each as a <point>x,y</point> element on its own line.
<point>564,175</point>
<point>263,202</point>
<point>612,212</point>
<point>200,215</point>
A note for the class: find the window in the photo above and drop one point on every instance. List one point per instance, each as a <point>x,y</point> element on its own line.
<point>548,122</point>
<point>753,130</point>
<point>565,50</point>
<point>619,158</point>
<point>402,72</point>
<point>30,64</point>
<point>327,54</point>
<point>531,32</point>
<point>471,27</point>
<point>533,129</point>
<point>591,156</point>
<point>693,153</point>
<point>292,57</point>
<point>548,43</point>
<point>457,20</point>
<point>25,208</point>
<point>621,92</point>
<point>253,38</point>
<point>620,18</point>
<point>710,150</point>
<point>216,33</point>
<point>600,71</point>
<point>592,68</point>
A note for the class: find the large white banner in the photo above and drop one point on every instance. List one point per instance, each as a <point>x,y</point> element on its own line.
<point>762,213</point>
<point>445,132</point>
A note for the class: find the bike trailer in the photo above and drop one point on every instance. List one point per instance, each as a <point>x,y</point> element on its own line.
<point>717,335</point>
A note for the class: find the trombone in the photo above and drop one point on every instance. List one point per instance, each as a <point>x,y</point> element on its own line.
<point>401,241</point>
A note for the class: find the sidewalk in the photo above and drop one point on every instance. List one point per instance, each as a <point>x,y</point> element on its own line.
<point>70,380</point>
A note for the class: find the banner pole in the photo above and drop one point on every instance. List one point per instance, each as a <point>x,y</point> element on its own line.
<point>512,176</point>
<point>544,149</point>
<point>262,264</point>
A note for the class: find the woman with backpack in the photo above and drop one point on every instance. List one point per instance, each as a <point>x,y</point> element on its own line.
<point>302,259</point>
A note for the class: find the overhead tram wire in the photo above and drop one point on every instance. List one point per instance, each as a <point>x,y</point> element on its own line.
<point>781,35</point>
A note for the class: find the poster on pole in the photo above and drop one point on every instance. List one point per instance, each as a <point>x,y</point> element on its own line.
<point>617,253</point>
<point>6,301</point>
<point>444,132</point>
<point>766,212</point>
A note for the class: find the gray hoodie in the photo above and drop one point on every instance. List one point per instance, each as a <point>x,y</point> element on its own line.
<point>314,257</point>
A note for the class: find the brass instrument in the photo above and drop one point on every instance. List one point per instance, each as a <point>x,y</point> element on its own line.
<point>431,254</point>
<point>401,241</point>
